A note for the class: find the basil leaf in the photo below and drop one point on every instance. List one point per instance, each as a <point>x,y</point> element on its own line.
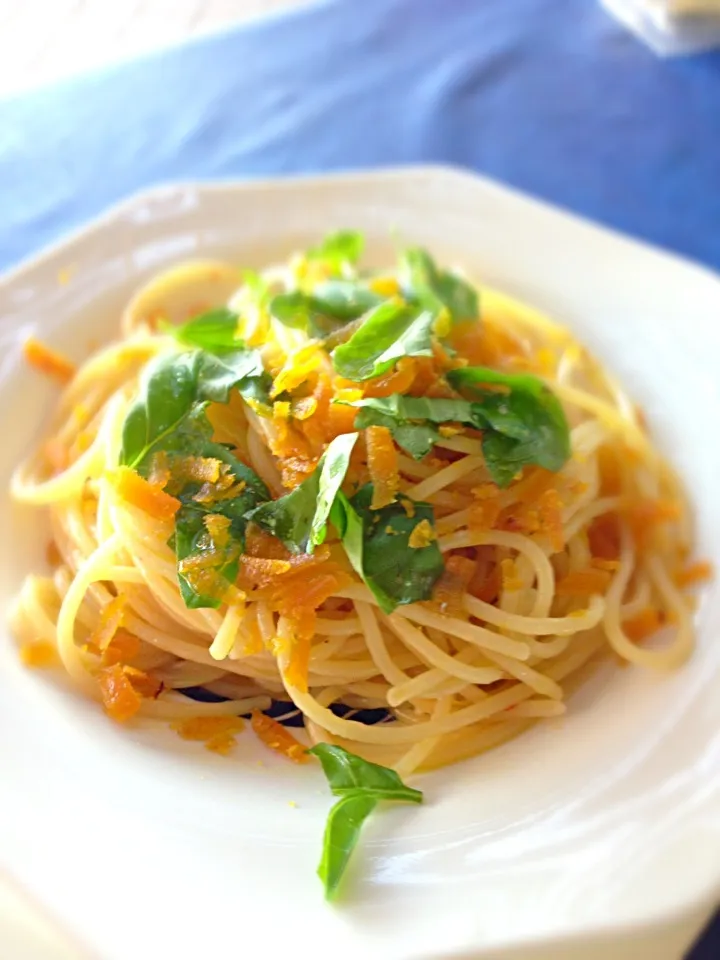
<point>215,330</point>
<point>347,774</point>
<point>422,282</point>
<point>344,299</point>
<point>528,413</point>
<point>192,537</point>
<point>360,785</point>
<point>338,249</point>
<point>300,311</point>
<point>327,309</point>
<point>524,424</point>
<point>417,439</point>
<point>389,332</point>
<point>170,389</point>
<point>300,518</point>
<point>396,572</point>
<point>376,544</point>
<point>170,416</point>
<point>342,832</point>
<point>411,419</point>
<point>350,530</point>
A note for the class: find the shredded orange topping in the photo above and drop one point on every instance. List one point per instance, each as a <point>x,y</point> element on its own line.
<point>643,625</point>
<point>491,346</point>
<point>383,466</point>
<point>52,554</point>
<point>108,623</point>
<point>278,738</point>
<point>583,583</point>
<point>120,698</point>
<point>122,648</point>
<point>550,512</point>
<point>644,517</point>
<point>217,733</point>
<point>698,572</point>
<point>48,361</point>
<point>145,684</point>
<point>604,537</point>
<point>140,493</point>
<point>39,654</point>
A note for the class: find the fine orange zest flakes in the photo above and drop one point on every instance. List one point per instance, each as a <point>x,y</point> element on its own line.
<point>583,583</point>
<point>120,698</point>
<point>698,572</point>
<point>39,654</point>
<point>278,738</point>
<point>140,493</point>
<point>217,733</point>
<point>422,535</point>
<point>643,625</point>
<point>48,361</point>
<point>383,466</point>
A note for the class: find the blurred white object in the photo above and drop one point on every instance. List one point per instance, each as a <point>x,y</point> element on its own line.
<point>671,27</point>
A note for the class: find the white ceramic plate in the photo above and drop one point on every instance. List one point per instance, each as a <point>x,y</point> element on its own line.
<point>146,846</point>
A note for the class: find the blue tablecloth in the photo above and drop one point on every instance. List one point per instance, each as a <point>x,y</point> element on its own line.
<point>554,98</point>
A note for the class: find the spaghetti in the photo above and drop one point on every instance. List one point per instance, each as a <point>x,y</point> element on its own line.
<point>349,489</point>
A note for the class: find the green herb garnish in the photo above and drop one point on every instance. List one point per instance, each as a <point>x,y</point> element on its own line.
<point>361,785</point>
<point>299,519</point>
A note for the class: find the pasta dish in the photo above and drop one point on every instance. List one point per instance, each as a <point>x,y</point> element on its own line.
<point>399,509</point>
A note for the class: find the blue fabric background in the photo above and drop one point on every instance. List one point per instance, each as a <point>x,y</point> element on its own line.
<point>552,97</point>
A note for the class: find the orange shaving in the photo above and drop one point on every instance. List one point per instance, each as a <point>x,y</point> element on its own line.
<point>604,537</point>
<point>275,736</point>
<point>398,380</point>
<point>643,625</point>
<point>145,684</point>
<point>122,648</point>
<point>610,470</point>
<point>217,733</point>
<point>583,583</point>
<point>550,513</point>
<point>645,516</point>
<point>38,654</point>
<point>694,573</point>
<point>147,497</point>
<point>52,554</point>
<point>109,621</point>
<point>120,698</point>
<point>486,345</point>
<point>453,584</point>
<point>383,466</point>
<point>485,512</point>
<point>48,361</point>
